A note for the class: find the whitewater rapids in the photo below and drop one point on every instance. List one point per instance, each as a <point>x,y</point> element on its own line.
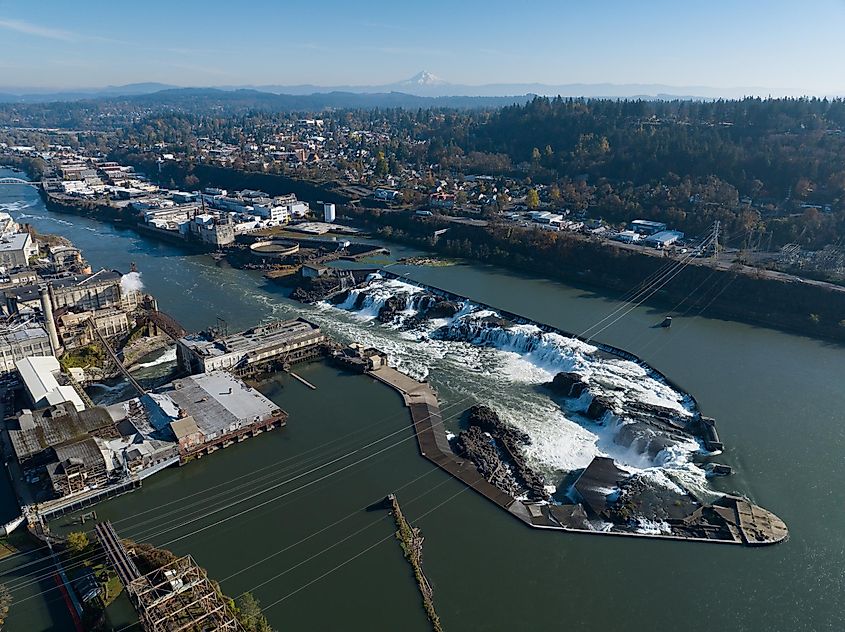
<point>470,359</point>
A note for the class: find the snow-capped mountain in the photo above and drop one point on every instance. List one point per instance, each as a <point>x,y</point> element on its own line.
<point>423,78</point>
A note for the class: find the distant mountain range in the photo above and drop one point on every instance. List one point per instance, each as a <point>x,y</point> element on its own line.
<point>423,84</point>
<point>429,85</point>
<point>41,95</point>
<point>241,99</point>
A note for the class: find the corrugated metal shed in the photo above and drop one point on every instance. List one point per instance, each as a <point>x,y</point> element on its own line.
<point>60,425</point>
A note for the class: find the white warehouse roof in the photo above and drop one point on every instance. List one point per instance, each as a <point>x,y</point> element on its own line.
<point>39,377</point>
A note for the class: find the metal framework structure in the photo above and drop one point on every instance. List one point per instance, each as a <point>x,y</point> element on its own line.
<point>178,597</point>
<point>165,323</point>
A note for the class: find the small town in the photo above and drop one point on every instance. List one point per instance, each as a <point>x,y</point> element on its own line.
<point>362,190</point>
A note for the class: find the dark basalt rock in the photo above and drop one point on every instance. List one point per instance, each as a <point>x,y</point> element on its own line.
<point>598,407</point>
<point>442,309</point>
<point>429,306</point>
<point>638,498</point>
<point>568,384</point>
<point>305,294</point>
<point>506,443</point>
<point>299,294</point>
<point>394,304</point>
<point>479,448</point>
<point>494,321</point>
<point>340,298</point>
<point>643,438</point>
<point>313,290</point>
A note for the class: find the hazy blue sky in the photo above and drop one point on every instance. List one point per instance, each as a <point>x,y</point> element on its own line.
<point>775,43</point>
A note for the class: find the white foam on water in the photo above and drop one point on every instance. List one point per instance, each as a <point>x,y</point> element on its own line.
<point>653,527</point>
<point>167,357</point>
<point>503,368</point>
<point>106,387</point>
<point>46,218</point>
<point>375,297</point>
<point>14,207</point>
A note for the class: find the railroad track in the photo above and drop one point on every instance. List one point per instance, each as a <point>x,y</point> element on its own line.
<point>116,553</point>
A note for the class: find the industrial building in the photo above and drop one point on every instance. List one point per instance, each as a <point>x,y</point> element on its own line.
<point>20,342</point>
<point>78,466</point>
<point>92,291</point>
<point>213,230</point>
<point>98,458</point>
<point>197,414</point>
<point>73,307</point>
<point>21,277</point>
<point>40,376</point>
<point>72,450</point>
<point>329,213</point>
<point>647,227</point>
<point>66,259</point>
<point>75,329</point>
<point>663,239</point>
<point>212,410</point>
<point>16,250</point>
<point>67,445</point>
<point>22,299</point>
<point>282,342</point>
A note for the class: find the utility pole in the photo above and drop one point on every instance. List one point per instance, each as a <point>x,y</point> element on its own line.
<point>716,226</point>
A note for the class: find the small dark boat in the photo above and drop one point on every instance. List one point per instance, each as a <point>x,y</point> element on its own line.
<point>667,322</point>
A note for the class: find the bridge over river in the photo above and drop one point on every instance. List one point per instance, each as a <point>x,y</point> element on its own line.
<point>17,181</point>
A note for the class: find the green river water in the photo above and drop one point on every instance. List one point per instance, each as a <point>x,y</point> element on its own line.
<point>307,547</point>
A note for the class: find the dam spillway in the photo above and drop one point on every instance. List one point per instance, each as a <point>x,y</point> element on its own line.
<point>625,402</point>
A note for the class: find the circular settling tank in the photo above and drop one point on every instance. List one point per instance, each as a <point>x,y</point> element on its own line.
<point>276,248</point>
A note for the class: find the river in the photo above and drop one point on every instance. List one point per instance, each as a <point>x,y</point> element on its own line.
<point>311,552</point>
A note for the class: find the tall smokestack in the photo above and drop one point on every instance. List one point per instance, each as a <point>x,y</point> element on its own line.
<point>50,323</point>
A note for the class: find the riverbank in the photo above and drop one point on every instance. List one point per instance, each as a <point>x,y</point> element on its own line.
<point>737,293</point>
<point>683,285</point>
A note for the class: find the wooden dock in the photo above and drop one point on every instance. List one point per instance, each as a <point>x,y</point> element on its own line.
<point>302,380</point>
<point>431,436</point>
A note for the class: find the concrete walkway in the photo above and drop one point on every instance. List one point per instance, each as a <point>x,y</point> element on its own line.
<point>756,526</point>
